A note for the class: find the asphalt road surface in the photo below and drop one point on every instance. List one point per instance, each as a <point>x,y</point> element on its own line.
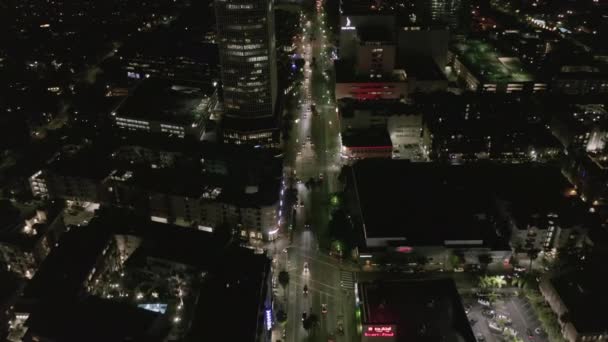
<point>313,151</point>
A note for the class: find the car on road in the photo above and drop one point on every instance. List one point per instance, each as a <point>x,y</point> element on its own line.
<point>306,270</point>
<point>305,290</point>
<point>324,308</point>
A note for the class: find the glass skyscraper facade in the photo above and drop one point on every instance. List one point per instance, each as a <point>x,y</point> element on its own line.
<point>245,32</point>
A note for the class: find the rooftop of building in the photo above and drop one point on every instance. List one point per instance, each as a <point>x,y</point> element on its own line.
<point>433,199</point>
<point>582,117</point>
<point>242,191</point>
<point>374,138</point>
<point>64,271</point>
<point>180,103</point>
<point>238,279</point>
<point>10,284</point>
<point>366,7</point>
<point>349,106</point>
<point>247,125</point>
<point>421,310</point>
<point>422,68</point>
<point>23,227</point>
<point>374,34</point>
<point>96,320</point>
<point>166,44</point>
<point>535,191</point>
<point>207,150</point>
<point>345,73</point>
<point>485,62</point>
<point>585,299</point>
<point>87,162</point>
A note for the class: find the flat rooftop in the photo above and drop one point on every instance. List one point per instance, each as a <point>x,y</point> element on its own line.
<point>585,299</point>
<point>162,100</point>
<point>423,68</point>
<point>375,34</point>
<point>348,107</point>
<point>345,73</point>
<point>422,310</point>
<point>96,320</point>
<point>433,200</point>
<point>483,60</point>
<point>367,138</point>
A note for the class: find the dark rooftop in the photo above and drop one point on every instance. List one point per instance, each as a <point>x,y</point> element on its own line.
<point>65,270</point>
<point>221,188</point>
<point>375,34</point>
<point>163,100</point>
<point>585,299</point>
<point>367,138</point>
<point>434,199</point>
<point>250,125</point>
<point>422,310</point>
<point>348,106</point>
<point>95,320</point>
<point>345,73</point>
<point>422,68</point>
<point>238,279</point>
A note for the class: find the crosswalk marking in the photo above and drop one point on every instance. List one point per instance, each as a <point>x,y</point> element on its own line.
<point>347,280</point>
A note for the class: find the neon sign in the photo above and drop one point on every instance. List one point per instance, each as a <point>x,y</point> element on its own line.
<point>348,27</point>
<point>404,249</point>
<point>379,331</point>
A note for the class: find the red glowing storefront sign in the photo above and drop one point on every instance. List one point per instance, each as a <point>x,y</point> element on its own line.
<point>379,331</point>
<point>404,249</point>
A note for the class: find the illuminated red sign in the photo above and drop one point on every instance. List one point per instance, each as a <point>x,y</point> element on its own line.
<point>404,249</point>
<point>379,331</point>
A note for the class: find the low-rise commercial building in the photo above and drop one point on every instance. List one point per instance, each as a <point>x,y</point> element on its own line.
<point>471,210</point>
<point>175,109</point>
<point>483,69</point>
<point>371,143</point>
<point>421,213</point>
<point>415,310</point>
<point>579,300</point>
<point>403,123</point>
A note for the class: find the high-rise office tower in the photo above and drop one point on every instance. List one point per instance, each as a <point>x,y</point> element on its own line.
<point>439,11</point>
<point>245,32</point>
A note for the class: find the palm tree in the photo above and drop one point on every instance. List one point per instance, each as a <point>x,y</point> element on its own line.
<point>532,254</point>
<point>310,322</point>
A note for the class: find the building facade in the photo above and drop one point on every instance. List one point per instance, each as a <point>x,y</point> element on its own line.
<point>245,31</point>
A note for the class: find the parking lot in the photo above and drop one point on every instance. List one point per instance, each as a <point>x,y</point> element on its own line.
<point>510,312</point>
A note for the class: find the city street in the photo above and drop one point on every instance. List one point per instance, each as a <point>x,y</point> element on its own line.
<point>312,152</point>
